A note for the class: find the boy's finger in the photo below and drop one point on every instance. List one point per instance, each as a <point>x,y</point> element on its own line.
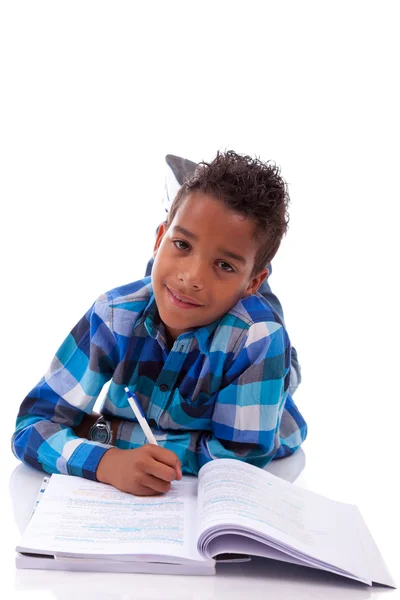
<point>145,491</point>
<point>166,457</point>
<point>161,471</point>
<point>156,484</point>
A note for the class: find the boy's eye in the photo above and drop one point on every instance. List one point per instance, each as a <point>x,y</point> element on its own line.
<point>181,245</point>
<point>225,266</point>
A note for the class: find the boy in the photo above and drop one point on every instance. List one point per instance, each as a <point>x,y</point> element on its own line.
<point>179,169</point>
<point>205,354</point>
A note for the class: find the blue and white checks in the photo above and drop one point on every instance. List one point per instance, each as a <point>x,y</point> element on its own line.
<point>220,392</point>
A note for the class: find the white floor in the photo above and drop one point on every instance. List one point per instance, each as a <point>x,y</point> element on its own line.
<point>333,473</point>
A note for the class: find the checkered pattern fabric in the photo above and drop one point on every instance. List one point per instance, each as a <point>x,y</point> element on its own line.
<point>220,392</point>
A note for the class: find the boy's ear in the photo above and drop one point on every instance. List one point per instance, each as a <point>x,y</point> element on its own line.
<point>255,282</point>
<point>160,234</point>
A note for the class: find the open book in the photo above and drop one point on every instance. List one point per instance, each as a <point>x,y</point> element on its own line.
<point>231,509</point>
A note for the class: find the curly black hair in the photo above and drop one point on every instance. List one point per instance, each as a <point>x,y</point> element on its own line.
<point>247,186</point>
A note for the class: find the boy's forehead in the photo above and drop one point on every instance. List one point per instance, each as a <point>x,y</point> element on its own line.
<point>199,207</point>
<point>204,215</point>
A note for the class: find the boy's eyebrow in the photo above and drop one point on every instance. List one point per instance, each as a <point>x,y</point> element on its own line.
<point>232,255</point>
<point>186,232</point>
<point>193,236</point>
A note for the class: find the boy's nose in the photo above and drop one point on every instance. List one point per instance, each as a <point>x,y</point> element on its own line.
<point>192,278</point>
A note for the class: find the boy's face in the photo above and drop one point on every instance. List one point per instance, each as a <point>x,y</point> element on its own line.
<point>203,264</point>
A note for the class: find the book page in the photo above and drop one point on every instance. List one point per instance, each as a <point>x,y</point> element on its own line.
<point>76,516</point>
<point>235,496</point>
<point>232,489</point>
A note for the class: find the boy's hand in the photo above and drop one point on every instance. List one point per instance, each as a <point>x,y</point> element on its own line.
<point>144,471</point>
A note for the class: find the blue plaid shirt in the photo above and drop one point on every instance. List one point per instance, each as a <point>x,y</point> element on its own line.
<point>220,392</point>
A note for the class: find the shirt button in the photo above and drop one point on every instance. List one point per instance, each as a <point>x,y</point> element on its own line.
<point>163,387</point>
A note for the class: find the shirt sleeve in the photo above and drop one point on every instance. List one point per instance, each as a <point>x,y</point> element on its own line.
<point>87,358</point>
<point>248,412</point>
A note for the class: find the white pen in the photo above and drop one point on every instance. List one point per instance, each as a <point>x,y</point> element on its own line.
<point>139,414</point>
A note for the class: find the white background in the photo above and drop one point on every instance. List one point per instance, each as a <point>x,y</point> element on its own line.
<point>94,94</point>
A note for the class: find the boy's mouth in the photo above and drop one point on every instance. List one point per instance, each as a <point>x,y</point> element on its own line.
<point>180,300</point>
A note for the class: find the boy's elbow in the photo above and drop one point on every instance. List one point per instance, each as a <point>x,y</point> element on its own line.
<point>289,445</point>
<point>20,444</point>
<point>27,440</point>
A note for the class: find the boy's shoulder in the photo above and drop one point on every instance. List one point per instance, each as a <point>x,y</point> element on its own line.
<point>136,291</point>
<point>125,302</point>
<point>129,292</point>
<point>251,320</point>
<point>251,310</point>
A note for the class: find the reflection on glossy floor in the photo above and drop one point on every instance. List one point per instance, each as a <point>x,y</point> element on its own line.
<point>257,579</point>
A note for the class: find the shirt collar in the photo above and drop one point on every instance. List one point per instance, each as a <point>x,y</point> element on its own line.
<point>151,322</point>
